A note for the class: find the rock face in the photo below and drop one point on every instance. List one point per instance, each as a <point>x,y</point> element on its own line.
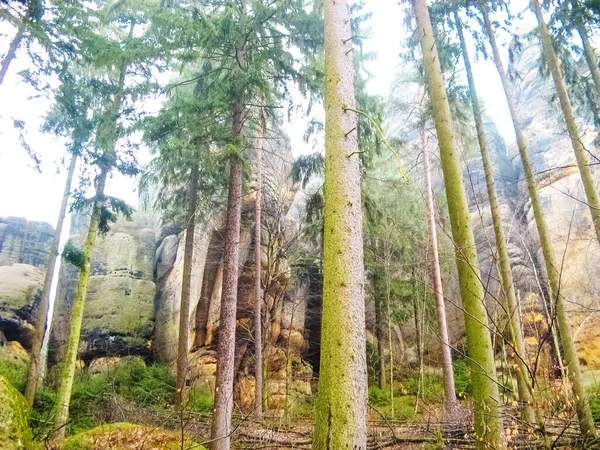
<point>23,258</point>
<point>24,242</point>
<point>15,433</point>
<point>119,311</point>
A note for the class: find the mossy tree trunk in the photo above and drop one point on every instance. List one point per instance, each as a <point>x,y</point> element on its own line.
<point>258,364</point>
<point>436,282</point>
<point>69,364</point>
<point>506,279</point>
<point>106,138</point>
<point>552,270</point>
<point>184,309</point>
<point>488,427</point>
<point>341,409</point>
<point>42,313</point>
<point>221,419</point>
<point>587,178</point>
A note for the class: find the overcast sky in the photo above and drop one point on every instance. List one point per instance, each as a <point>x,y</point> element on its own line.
<point>36,196</point>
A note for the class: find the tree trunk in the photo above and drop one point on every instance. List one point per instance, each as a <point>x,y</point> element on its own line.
<point>380,329</point>
<point>258,363</point>
<point>523,385</point>
<point>184,309</point>
<point>436,281</point>
<point>591,193</point>
<point>341,410</point>
<point>221,420</point>
<point>106,137</point>
<point>488,428</point>
<point>69,364</point>
<point>590,58</point>
<point>42,313</point>
<point>583,411</point>
<point>12,49</point>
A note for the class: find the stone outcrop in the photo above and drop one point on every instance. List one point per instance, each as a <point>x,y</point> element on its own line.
<point>24,242</point>
<point>23,258</point>
<point>119,311</point>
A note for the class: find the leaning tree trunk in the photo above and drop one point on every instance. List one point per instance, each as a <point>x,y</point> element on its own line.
<point>583,410</point>
<point>63,397</point>
<point>258,363</point>
<point>42,313</point>
<point>341,410</point>
<point>436,281</point>
<point>184,309</point>
<point>488,428</point>
<point>506,279</point>
<point>589,186</point>
<point>221,420</point>
<point>589,53</point>
<point>12,49</point>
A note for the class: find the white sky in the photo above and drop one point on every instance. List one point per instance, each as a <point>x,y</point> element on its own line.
<point>27,193</point>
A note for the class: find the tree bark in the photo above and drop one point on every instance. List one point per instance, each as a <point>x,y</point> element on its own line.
<point>589,186</point>
<point>506,279</point>
<point>42,313</point>
<point>221,420</point>
<point>488,428</point>
<point>590,56</point>
<point>258,363</point>
<point>341,409</point>
<point>63,398</point>
<point>553,276</point>
<point>436,281</point>
<point>184,309</point>
<point>13,47</point>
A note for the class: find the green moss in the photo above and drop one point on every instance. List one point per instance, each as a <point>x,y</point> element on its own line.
<point>15,433</point>
<point>594,397</point>
<point>120,305</point>
<point>15,372</point>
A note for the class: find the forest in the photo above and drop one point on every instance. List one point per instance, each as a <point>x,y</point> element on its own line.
<point>308,263</point>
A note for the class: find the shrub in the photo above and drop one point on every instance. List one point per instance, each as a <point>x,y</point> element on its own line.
<point>432,387</point>
<point>594,396</point>
<point>200,401</point>
<point>462,377</point>
<point>378,397</point>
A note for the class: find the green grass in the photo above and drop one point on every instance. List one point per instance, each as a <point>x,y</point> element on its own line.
<point>144,385</point>
<point>200,401</point>
<point>14,372</point>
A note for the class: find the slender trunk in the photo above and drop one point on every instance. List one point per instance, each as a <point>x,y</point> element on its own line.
<point>436,281</point>
<point>42,313</point>
<point>258,274</point>
<point>106,138</point>
<point>341,410</point>
<point>488,428</point>
<point>590,58</point>
<point>69,364</point>
<point>12,49</point>
<point>583,410</point>
<point>221,420</point>
<point>506,279</point>
<point>379,329</point>
<point>587,178</point>
<point>184,309</point>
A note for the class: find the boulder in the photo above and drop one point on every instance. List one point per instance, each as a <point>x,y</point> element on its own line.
<point>15,433</point>
<point>20,290</point>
